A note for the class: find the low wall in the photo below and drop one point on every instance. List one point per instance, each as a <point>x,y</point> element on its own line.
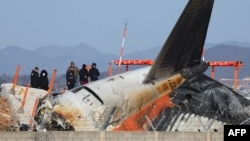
<point>110,136</point>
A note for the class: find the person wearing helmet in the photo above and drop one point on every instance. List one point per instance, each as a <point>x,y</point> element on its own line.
<point>94,72</point>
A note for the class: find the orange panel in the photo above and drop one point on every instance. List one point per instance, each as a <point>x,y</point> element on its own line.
<point>138,122</point>
<point>133,62</point>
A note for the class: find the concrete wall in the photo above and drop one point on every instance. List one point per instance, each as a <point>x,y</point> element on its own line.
<point>110,136</point>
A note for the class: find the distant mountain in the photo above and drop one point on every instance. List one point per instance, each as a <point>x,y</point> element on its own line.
<point>52,57</point>
<point>229,53</point>
<point>144,54</point>
<point>236,43</point>
<point>57,57</point>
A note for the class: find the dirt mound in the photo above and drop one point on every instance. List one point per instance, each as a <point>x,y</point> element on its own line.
<point>7,120</point>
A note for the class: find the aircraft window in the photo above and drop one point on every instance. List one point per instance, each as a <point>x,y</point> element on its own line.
<point>89,90</point>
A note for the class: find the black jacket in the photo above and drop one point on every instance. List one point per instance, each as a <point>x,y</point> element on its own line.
<point>94,74</point>
<point>44,81</point>
<point>83,74</point>
<point>70,77</point>
<point>34,79</point>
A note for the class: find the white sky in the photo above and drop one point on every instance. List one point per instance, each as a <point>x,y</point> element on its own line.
<point>35,23</point>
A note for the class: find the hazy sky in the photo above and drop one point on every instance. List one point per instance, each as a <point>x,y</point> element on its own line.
<point>100,23</point>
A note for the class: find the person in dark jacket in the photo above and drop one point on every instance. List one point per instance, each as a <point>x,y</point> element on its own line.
<point>94,72</point>
<point>44,80</point>
<point>34,78</point>
<point>70,78</point>
<point>83,75</point>
<point>76,70</point>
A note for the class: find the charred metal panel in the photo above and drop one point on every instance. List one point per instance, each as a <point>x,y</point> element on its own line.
<point>210,103</point>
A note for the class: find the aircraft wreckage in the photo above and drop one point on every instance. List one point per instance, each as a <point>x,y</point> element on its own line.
<point>171,95</point>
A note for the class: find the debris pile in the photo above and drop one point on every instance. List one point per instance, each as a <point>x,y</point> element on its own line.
<point>17,109</point>
<point>7,120</point>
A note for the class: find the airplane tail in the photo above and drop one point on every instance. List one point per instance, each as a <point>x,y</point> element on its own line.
<point>184,46</point>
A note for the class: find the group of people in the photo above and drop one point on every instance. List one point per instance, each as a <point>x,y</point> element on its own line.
<point>39,81</point>
<point>73,74</point>
<point>84,75</point>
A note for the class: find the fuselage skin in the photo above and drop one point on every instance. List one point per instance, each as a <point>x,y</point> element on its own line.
<point>112,102</point>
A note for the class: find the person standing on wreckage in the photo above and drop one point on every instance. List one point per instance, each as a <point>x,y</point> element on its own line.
<point>34,78</point>
<point>70,78</point>
<point>76,71</point>
<point>94,72</point>
<point>83,75</point>
<point>44,80</point>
